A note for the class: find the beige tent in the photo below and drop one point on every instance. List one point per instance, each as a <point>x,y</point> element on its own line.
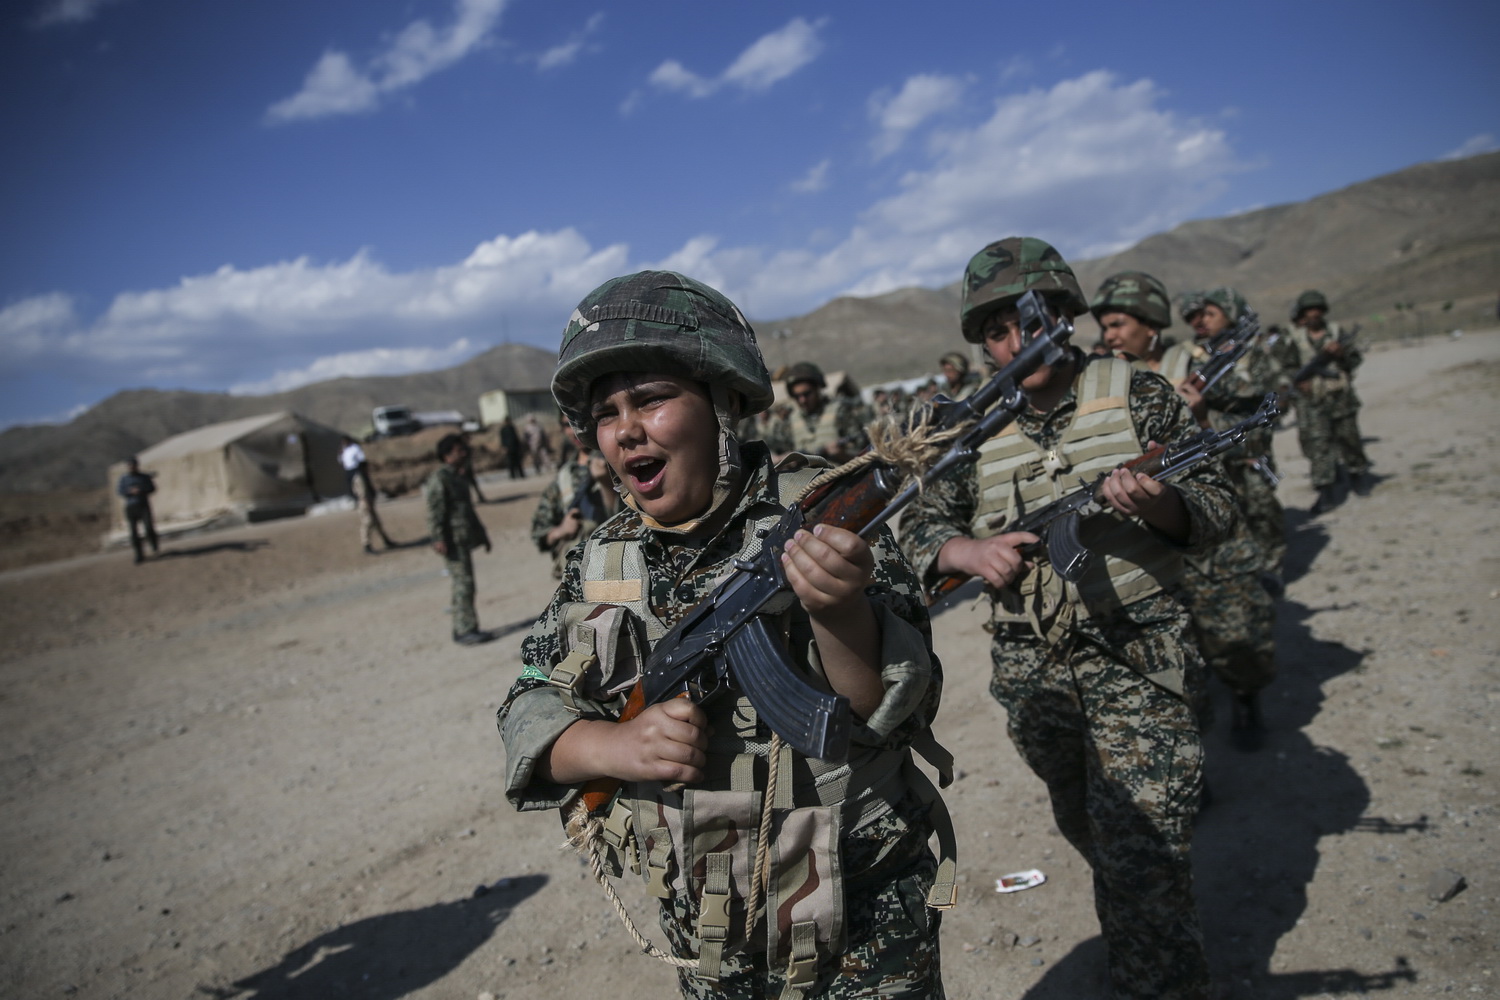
<point>241,470</point>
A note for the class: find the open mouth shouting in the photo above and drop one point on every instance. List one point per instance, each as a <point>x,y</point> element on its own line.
<point>643,475</point>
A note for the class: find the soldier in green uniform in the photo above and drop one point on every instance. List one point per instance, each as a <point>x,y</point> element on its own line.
<point>1327,407</point>
<point>656,369</point>
<point>580,497</point>
<point>456,532</point>
<point>832,429</point>
<point>958,381</point>
<point>1098,678</point>
<point>1251,467</point>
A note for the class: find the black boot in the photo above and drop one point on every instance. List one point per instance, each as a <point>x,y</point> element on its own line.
<point>1361,483</point>
<point>1246,731</point>
<point>1327,500</point>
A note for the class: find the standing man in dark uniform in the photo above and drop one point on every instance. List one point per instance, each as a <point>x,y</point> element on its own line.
<point>136,487</point>
<point>456,532</point>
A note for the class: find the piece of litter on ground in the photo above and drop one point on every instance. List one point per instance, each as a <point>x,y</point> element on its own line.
<point>1016,881</point>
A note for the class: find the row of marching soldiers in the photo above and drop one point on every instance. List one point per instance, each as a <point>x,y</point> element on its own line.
<point>1103,677</point>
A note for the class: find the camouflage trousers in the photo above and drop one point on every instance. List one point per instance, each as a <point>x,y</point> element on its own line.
<point>1123,764</point>
<point>1264,515</point>
<point>891,950</point>
<point>1234,622</point>
<point>1328,431</point>
<point>461,572</point>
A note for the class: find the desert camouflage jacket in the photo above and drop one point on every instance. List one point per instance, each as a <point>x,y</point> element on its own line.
<point>947,509</point>
<point>450,511</point>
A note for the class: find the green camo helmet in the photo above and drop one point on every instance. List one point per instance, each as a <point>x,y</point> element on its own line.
<point>1134,293</point>
<point>1007,269</point>
<point>658,321</point>
<point>805,371</point>
<point>1227,299</point>
<point>1310,299</point>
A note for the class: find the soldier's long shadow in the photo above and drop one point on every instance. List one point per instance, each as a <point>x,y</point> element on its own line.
<point>1255,850</point>
<point>1305,538</point>
<point>387,956</point>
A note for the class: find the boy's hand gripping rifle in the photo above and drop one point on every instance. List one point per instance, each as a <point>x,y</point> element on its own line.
<point>729,639</point>
<point>1057,522</point>
<point>1225,350</point>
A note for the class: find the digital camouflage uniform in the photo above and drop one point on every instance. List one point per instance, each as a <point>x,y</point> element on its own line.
<point>889,943</point>
<point>451,518</point>
<point>1099,706</point>
<point>1328,412</point>
<point>1120,754</point>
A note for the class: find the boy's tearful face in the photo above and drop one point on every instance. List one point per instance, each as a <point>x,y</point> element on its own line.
<point>660,435</point>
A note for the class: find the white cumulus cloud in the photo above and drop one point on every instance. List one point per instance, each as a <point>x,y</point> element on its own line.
<point>337,86</point>
<point>814,180</point>
<point>1473,146</point>
<point>357,364</point>
<point>919,99</point>
<point>568,52</point>
<point>767,61</point>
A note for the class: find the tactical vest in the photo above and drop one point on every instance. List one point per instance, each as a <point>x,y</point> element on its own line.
<point>824,432</point>
<point>1178,360</point>
<point>701,841</point>
<point>1015,476</point>
<point>1337,380</point>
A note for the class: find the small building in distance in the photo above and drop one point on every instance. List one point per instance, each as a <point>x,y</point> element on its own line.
<point>497,404</point>
<point>252,469</point>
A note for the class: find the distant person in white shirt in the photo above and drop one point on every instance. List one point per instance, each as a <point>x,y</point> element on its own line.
<point>357,473</point>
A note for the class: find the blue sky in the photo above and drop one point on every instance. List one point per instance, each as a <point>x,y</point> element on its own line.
<point>248,195</point>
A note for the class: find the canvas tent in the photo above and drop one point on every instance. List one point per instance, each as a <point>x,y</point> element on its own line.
<point>241,470</point>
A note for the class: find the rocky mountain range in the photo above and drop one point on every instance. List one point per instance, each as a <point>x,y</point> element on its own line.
<point>1402,254</point>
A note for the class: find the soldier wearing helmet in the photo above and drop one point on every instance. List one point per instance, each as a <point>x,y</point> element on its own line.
<point>958,381</point>
<point>1098,678</point>
<point>655,370</point>
<point>1327,407</point>
<point>828,428</point>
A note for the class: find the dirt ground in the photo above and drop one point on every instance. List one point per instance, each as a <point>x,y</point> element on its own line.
<point>257,767</point>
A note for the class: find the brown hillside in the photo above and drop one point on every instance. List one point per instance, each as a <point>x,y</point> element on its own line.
<point>1428,235</point>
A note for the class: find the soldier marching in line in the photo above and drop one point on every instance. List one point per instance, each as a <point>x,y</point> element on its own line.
<point>1327,407</point>
<point>832,429</point>
<point>656,370</point>
<point>1098,679</point>
<point>1233,615</point>
<point>958,381</point>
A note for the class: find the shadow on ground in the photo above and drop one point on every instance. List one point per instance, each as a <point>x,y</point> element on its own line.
<point>389,956</point>
<point>1255,848</point>
<point>245,545</point>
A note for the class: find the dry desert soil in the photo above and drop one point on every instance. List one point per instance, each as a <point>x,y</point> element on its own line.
<point>256,766</point>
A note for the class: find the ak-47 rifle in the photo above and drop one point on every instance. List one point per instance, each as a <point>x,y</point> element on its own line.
<point>1319,364</point>
<point>728,640</point>
<point>1225,349</point>
<point>1056,524</point>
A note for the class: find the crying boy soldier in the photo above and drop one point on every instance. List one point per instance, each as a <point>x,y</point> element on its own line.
<point>656,370</point>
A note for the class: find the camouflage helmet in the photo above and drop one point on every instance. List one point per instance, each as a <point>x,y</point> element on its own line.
<point>1231,302</point>
<point>658,321</point>
<point>1134,293</point>
<point>805,371</point>
<point>957,359</point>
<point>1310,299</point>
<point>1004,271</point>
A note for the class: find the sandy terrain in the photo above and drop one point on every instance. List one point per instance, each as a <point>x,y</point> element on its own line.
<point>256,766</point>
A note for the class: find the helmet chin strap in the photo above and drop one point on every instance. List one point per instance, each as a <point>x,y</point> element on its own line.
<point>726,408</point>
